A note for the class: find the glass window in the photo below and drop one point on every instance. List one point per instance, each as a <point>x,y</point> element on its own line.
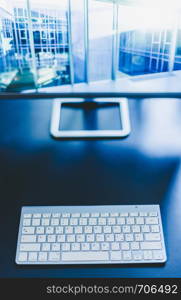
<point>20,12</point>
<point>36,35</point>
<point>144,50</point>
<point>89,44</point>
<point>22,33</point>
<point>43,34</point>
<point>60,37</point>
<point>23,41</point>
<point>100,40</point>
<point>34,14</point>
<point>22,25</point>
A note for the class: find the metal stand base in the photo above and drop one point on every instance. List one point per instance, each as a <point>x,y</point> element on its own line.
<point>56,132</point>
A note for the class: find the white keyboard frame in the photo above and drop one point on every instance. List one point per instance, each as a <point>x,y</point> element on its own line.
<point>90,209</point>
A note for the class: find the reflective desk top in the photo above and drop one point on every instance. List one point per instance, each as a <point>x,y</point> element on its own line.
<point>143,168</point>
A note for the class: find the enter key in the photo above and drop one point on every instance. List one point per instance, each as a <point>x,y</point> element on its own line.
<point>152,237</point>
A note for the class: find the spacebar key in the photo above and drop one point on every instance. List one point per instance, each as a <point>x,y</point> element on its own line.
<point>85,256</point>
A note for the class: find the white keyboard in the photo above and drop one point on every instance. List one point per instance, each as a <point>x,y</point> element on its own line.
<point>116,234</point>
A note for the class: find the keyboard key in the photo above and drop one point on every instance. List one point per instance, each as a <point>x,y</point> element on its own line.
<point>97,229</point>
<point>78,229</point>
<point>85,246</point>
<point>152,237</point>
<point>54,256</point>
<point>73,221</point>
<point>59,229</point>
<point>32,256</point>
<point>104,246</point>
<point>49,230</point>
<point>27,216</point>
<point>109,237</point>
<point>129,237</point>
<point>115,246</point>
<point>75,247</point>
<point>115,255</point>
<point>137,255</point>
<point>85,256</point>
<point>153,214</point>
<point>157,255</point>
<point>150,245</point>
<point>83,221</point>
<point>64,222</point>
<point>85,215</point>
<point>40,230</point>
<point>134,214</point>
<point>28,230</point>
<point>28,238</point>
<point>95,215</point>
<point>124,214</point>
<point>115,214</point>
<point>125,246</point>
<point>95,246</point>
<point>88,229</point>
<point>45,222</point>
<point>145,228</point>
<point>127,255</point>
<point>130,221</point>
<point>119,237</point>
<point>155,228</point>
<point>23,256</point>
<point>138,237</point>
<point>143,214</point>
<point>152,221</point>
<point>126,229</point>
<point>121,221</point>
<point>41,238</point>
<point>135,246</point>
<point>102,221</point>
<point>55,247</point>
<point>100,237</point>
<point>90,237</point>
<point>61,238</point>
<point>111,221</point>
<point>48,215</point>
<point>136,228</point>
<point>26,222</point>
<point>65,247</point>
<point>46,247</point>
<point>54,222</point>
<point>68,230</point>
<point>35,222</point>
<point>116,229</point>
<point>65,215</point>
<point>56,215</point>
<point>75,215</point>
<point>147,254</point>
<point>80,238</point>
<point>104,215</point>
<point>71,238</point>
<point>30,247</point>
<point>140,221</point>
<point>42,256</point>
<point>107,229</point>
<point>36,215</point>
<point>92,221</point>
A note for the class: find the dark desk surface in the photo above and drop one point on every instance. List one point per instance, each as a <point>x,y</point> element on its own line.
<point>141,169</point>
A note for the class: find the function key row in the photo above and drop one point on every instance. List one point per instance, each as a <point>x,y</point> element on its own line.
<point>87,215</point>
<point>91,221</point>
